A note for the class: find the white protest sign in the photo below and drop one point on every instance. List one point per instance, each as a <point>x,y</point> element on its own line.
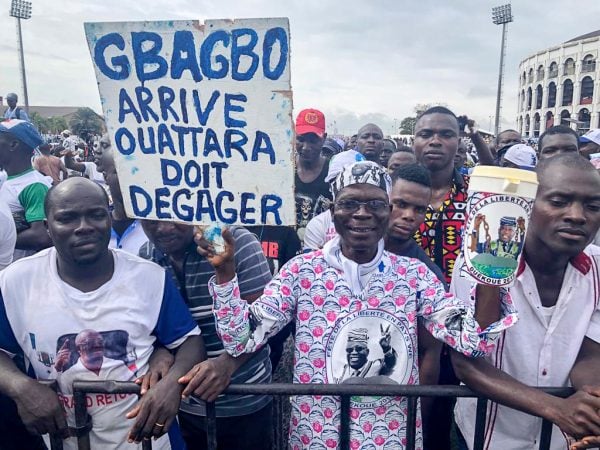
<point>200,117</point>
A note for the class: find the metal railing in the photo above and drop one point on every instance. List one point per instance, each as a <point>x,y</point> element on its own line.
<point>345,392</point>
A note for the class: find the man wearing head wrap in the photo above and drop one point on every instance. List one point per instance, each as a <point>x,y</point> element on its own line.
<point>349,286</point>
<point>13,111</point>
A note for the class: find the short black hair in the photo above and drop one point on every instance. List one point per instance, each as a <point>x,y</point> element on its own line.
<point>406,148</point>
<point>50,194</point>
<point>569,160</point>
<point>558,129</point>
<point>508,130</point>
<point>438,110</point>
<point>415,173</point>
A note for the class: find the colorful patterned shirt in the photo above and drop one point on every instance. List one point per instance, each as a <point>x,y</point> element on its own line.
<point>342,337</point>
<point>444,226</point>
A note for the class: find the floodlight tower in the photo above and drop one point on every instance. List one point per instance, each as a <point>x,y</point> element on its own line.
<point>501,15</point>
<point>21,9</point>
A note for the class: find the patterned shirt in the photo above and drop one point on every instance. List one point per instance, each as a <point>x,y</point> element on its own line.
<point>440,235</point>
<point>373,333</point>
<point>254,274</point>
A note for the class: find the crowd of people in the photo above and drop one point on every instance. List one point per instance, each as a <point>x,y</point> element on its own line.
<point>363,290</point>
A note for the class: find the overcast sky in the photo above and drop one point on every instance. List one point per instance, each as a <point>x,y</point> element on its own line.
<point>356,60</point>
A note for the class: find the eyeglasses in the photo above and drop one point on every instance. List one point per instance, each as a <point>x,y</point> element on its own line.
<point>373,206</point>
<point>356,349</point>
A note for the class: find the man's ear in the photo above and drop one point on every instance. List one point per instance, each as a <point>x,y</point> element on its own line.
<point>46,225</point>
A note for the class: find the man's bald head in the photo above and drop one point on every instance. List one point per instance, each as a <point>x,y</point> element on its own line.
<point>550,166</point>
<point>76,186</point>
<point>370,142</point>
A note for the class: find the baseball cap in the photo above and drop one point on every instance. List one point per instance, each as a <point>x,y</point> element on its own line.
<point>522,155</point>
<point>24,131</point>
<point>310,121</point>
<point>591,136</point>
<point>12,96</point>
<point>66,133</point>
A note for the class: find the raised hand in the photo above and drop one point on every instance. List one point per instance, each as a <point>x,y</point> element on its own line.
<point>63,356</point>
<point>385,341</point>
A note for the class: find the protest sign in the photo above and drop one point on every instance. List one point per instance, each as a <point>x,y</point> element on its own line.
<point>200,117</point>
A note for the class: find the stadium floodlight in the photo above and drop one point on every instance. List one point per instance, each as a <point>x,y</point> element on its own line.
<point>501,15</point>
<point>21,9</point>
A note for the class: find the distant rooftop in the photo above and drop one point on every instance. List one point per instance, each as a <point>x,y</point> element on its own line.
<point>585,36</point>
<point>48,111</point>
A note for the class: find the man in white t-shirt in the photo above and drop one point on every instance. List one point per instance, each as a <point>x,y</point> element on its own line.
<point>79,311</point>
<point>25,188</point>
<point>8,235</point>
<point>556,342</point>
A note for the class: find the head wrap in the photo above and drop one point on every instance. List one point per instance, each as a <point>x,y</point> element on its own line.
<point>508,221</point>
<point>363,172</point>
<point>358,335</point>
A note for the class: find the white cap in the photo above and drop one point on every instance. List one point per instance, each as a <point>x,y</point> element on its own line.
<point>341,160</point>
<point>522,155</point>
<point>591,136</point>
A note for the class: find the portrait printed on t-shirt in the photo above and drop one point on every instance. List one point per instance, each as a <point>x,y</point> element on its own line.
<point>94,351</point>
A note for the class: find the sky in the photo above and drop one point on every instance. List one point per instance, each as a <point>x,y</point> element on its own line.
<point>357,61</point>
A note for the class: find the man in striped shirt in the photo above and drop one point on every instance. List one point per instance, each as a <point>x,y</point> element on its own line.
<point>243,422</point>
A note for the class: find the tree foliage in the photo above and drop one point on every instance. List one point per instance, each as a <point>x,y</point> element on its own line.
<point>407,125</point>
<point>52,125</point>
<point>85,121</point>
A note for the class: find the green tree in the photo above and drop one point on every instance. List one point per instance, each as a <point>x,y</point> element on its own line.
<point>407,125</point>
<point>85,120</point>
<point>57,124</point>
<point>420,108</point>
<point>41,123</point>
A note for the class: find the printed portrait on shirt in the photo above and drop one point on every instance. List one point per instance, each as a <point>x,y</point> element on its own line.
<point>370,347</point>
<point>95,351</point>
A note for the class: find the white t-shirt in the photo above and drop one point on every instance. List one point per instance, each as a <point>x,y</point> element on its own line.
<point>3,177</point>
<point>70,143</point>
<point>24,194</point>
<point>91,172</point>
<point>8,235</point>
<point>319,231</point>
<point>42,314</point>
<point>538,352</point>
<point>131,240</point>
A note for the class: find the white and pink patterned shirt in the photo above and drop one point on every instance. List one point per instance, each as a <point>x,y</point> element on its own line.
<point>344,337</point>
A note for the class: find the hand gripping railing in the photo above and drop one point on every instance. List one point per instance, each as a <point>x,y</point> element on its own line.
<point>345,392</point>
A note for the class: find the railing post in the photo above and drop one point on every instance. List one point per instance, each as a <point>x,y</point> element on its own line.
<point>480,416</point>
<point>546,435</point>
<point>83,441</point>
<point>411,423</point>
<point>211,426</point>
<point>345,423</point>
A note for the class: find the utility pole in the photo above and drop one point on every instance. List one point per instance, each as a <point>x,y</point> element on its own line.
<point>501,15</point>
<point>21,9</point>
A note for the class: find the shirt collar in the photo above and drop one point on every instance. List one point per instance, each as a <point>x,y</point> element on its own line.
<point>581,262</point>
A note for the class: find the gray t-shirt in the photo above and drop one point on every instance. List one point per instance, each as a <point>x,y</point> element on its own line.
<point>253,274</point>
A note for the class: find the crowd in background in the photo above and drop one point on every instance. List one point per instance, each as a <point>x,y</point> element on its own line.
<point>360,291</point>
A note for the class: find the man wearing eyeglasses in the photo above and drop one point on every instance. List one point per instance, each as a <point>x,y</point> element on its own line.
<point>360,314</point>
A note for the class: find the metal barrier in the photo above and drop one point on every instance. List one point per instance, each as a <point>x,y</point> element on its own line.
<point>345,392</point>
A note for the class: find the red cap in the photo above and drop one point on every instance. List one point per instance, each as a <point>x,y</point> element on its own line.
<point>310,121</point>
